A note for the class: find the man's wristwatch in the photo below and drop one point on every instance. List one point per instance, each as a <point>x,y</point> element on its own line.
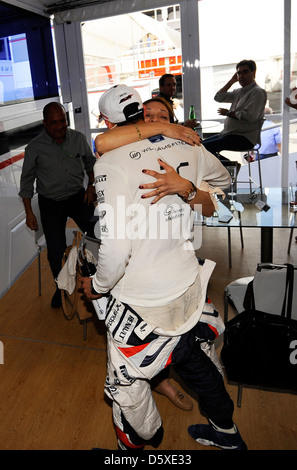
<point>191,193</point>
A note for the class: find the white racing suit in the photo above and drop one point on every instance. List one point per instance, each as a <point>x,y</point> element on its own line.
<point>136,353</point>
<point>147,263</point>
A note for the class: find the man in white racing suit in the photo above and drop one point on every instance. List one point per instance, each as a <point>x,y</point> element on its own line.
<point>157,287</point>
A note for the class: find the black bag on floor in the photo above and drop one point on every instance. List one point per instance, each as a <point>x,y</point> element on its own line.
<point>260,348</point>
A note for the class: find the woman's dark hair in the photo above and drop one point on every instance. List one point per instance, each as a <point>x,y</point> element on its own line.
<point>158,99</point>
<point>250,63</point>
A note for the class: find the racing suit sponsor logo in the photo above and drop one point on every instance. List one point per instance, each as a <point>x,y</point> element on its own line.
<point>173,212</point>
<point>100,178</point>
<point>116,379</point>
<point>112,390</point>
<point>126,328</point>
<point>100,196</point>
<point>135,155</point>
<point>113,316</point>
<point>143,330</point>
<point>102,221</point>
<point>125,373</point>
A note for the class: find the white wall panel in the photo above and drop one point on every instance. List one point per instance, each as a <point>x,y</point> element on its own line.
<point>22,251</point>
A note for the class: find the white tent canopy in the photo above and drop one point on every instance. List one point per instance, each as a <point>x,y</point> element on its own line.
<point>110,37</point>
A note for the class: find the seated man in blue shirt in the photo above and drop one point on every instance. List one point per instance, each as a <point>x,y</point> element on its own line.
<point>58,159</point>
<point>270,139</point>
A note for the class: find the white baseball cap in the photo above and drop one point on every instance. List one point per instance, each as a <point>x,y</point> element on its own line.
<point>119,104</point>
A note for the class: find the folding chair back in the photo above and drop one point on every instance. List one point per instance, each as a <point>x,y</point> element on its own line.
<point>269,286</point>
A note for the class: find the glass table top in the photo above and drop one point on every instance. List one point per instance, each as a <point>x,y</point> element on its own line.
<point>267,208</point>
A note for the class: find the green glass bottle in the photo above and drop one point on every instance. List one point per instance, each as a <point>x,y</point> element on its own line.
<point>192,114</point>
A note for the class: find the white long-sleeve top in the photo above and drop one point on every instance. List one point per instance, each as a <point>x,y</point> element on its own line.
<point>146,257</point>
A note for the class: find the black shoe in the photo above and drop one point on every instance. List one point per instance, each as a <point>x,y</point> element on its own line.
<point>57,299</point>
<point>207,435</point>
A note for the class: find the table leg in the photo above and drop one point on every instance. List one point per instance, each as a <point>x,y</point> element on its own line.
<point>266,244</point>
<point>229,248</point>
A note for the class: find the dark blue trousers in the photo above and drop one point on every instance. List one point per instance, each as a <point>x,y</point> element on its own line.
<point>202,377</point>
<point>54,216</point>
<point>219,142</point>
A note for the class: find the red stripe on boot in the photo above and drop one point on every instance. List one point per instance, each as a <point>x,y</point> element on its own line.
<point>213,329</point>
<point>125,440</point>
